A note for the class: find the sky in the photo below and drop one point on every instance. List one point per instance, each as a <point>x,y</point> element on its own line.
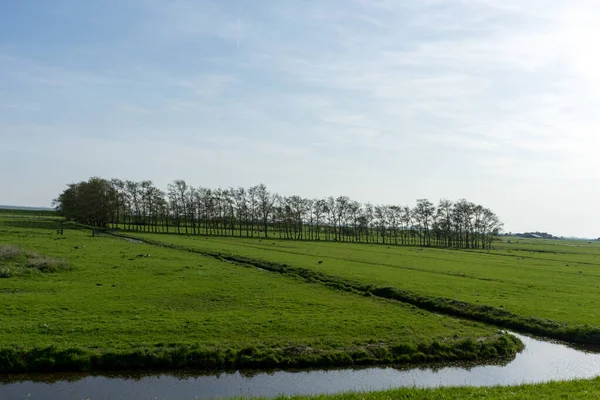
<point>385,101</point>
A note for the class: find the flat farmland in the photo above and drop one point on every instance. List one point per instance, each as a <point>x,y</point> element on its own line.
<point>120,304</point>
<point>554,281</point>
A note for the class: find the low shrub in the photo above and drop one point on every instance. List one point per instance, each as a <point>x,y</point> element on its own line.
<point>9,252</point>
<point>5,272</point>
<point>14,262</point>
<point>46,264</point>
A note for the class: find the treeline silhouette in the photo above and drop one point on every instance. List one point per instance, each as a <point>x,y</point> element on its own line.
<point>184,209</point>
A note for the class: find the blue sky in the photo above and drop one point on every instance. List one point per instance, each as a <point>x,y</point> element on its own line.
<point>382,100</point>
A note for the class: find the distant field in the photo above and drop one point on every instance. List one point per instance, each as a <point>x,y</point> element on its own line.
<point>555,280</point>
<point>571,252</point>
<point>27,211</point>
<point>124,305</point>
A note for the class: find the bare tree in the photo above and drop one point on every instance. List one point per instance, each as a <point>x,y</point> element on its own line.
<point>142,206</point>
<point>319,210</point>
<point>265,206</point>
<point>424,212</point>
<point>240,197</point>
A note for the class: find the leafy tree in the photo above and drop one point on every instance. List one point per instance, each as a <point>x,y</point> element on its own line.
<point>87,202</point>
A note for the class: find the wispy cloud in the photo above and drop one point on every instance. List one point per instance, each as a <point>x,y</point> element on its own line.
<point>449,92</point>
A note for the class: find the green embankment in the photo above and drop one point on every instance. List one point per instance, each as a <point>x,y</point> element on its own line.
<point>124,305</point>
<point>532,288</point>
<point>575,390</point>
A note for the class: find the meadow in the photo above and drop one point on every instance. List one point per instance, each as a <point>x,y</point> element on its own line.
<point>123,305</point>
<point>547,287</point>
<point>575,390</point>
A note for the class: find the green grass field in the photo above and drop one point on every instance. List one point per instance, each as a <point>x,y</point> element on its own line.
<point>574,390</point>
<point>555,281</point>
<point>132,305</point>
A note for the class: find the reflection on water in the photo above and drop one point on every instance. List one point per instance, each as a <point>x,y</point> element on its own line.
<point>540,361</point>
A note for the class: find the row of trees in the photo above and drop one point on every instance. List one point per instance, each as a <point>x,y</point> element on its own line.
<point>255,211</point>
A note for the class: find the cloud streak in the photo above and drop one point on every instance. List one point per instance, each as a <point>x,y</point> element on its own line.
<point>431,98</point>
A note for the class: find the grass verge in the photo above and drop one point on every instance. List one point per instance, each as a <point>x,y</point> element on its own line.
<point>583,389</point>
<point>198,357</point>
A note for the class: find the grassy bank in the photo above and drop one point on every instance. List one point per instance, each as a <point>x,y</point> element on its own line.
<point>540,296</point>
<point>576,390</point>
<point>127,305</point>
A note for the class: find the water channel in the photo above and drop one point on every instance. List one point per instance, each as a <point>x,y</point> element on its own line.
<point>541,361</point>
